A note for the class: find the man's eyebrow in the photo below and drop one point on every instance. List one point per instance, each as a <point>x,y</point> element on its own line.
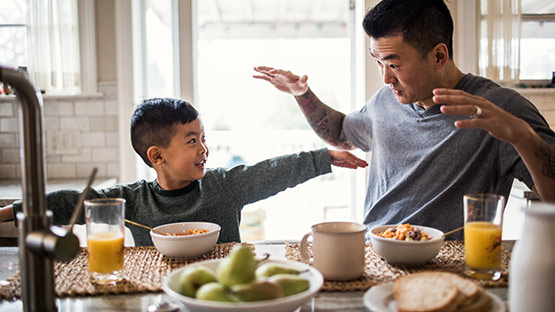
<point>387,57</point>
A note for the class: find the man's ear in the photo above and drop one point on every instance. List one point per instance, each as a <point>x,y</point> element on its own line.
<point>154,154</point>
<point>440,54</point>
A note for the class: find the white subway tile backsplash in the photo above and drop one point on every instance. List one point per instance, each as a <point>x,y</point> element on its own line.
<point>105,154</point>
<point>84,156</point>
<point>8,171</point>
<point>85,170</point>
<point>111,108</point>
<point>10,156</point>
<point>74,123</point>
<point>6,109</point>
<point>112,138</point>
<point>112,170</point>
<point>9,125</point>
<point>89,108</point>
<point>51,123</point>
<point>93,139</point>
<point>53,158</point>
<point>97,123</point>
<point>8,140</point>
<point>61,171</point>
<point>111,123</point>
<point>54,108</point>
<point>109,89</point>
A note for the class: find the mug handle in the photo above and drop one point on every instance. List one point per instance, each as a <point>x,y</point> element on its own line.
<point>304,248</point>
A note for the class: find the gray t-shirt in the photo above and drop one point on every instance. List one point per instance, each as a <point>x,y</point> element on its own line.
<point>219,197</point>
<point>422,165</point>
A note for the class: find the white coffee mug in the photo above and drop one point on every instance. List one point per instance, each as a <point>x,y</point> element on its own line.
<point>337,248</point>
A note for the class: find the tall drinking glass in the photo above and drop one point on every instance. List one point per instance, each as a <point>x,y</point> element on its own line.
<point>105,219</point>
<point>483,221</point>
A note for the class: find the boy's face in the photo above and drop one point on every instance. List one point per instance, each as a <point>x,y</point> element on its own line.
<point>185,157</point>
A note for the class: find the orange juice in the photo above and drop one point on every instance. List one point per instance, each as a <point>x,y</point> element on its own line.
<point>105,252</point>
<point>482,245</point>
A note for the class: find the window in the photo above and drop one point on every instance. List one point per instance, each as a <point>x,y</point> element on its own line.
<point>13,33</point>
<point>249,120</point>
<point>53,40</point>
<point>517,41</point>
<point>537,43</point>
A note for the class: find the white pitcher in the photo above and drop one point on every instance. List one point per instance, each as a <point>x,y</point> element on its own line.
<point>532,271</point>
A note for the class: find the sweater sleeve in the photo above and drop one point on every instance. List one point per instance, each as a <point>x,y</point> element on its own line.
<point>248,184</point>
<point>62,203</point>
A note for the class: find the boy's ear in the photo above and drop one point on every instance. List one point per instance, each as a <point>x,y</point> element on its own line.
<point>154,154</point>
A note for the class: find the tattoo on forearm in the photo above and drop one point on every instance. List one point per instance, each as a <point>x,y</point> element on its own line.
<point>547,154</point>
<point>326,122</point>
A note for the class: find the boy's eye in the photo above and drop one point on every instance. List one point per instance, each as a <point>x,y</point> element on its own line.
<point>393,66</point>
<point>192,141</point>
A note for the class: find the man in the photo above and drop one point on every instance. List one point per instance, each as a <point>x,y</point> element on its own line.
<point>425,156</point>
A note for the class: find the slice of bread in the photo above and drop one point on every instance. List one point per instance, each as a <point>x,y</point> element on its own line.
<point>481,304</point>
<point>426,292</point>
<point>468,288</point>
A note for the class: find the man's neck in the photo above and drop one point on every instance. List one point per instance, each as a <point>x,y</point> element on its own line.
<point>450,81</point>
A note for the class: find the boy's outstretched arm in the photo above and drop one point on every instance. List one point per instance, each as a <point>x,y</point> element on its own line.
<point>6,213</point>
<point>346,160</point>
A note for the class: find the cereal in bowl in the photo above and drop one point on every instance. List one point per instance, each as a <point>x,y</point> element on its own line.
<point>405,232</point>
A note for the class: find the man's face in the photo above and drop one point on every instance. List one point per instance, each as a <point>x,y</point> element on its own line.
<point>411,77</point>
<point>186,155</point>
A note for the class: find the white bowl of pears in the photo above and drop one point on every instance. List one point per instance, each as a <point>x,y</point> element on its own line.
<point>241,282</point>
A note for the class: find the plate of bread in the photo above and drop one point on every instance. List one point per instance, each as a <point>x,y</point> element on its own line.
<point>431,291</point>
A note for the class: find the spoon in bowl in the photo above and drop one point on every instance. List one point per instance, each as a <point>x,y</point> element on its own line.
<point>149,228</point>
<point>453,231</point>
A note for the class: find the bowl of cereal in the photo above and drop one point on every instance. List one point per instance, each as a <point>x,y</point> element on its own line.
<point>406,244</point>
<point>185,239</point>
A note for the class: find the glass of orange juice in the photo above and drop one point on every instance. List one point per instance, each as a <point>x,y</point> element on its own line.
<point>105,220</point>
<point>483,215</point>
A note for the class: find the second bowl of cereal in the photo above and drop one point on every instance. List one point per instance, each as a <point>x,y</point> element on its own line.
<point>406,244</point>
<point>186,239</point>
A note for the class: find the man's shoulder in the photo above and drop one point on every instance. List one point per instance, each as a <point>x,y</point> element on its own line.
<point>486,88</point>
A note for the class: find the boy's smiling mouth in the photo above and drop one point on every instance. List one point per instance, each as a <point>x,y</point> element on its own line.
<point>201,163</point>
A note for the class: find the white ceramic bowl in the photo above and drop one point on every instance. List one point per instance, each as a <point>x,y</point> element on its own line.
<point>406,253</point>
<point>185,246</point>
<point>288,303</point>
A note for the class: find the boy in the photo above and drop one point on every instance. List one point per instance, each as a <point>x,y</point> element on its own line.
<point>169,137</point>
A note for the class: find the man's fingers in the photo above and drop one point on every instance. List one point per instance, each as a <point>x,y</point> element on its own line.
<point>262,68</point>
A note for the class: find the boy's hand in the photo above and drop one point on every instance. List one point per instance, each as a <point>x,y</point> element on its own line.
<point>346,160</point>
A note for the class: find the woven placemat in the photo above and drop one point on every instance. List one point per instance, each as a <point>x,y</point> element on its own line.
<point>377,271</point>
<point>144,271</point>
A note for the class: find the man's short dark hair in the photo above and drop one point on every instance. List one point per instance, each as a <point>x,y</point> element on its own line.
<point>422,23</point>
<point>153,123</point>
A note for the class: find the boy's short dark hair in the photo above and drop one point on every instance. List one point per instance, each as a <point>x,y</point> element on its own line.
<point>153,123</point>
<point>422,23</point>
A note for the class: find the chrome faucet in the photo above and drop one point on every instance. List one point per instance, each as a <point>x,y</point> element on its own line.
<point>39,242</point>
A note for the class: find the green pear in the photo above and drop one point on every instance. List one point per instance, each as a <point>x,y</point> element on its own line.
<point>290,283</point>
<point>269,269</point>
<point>238,268</point>
<point>193,278</point>
<point>215,292</point>
<point>257,290</point>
